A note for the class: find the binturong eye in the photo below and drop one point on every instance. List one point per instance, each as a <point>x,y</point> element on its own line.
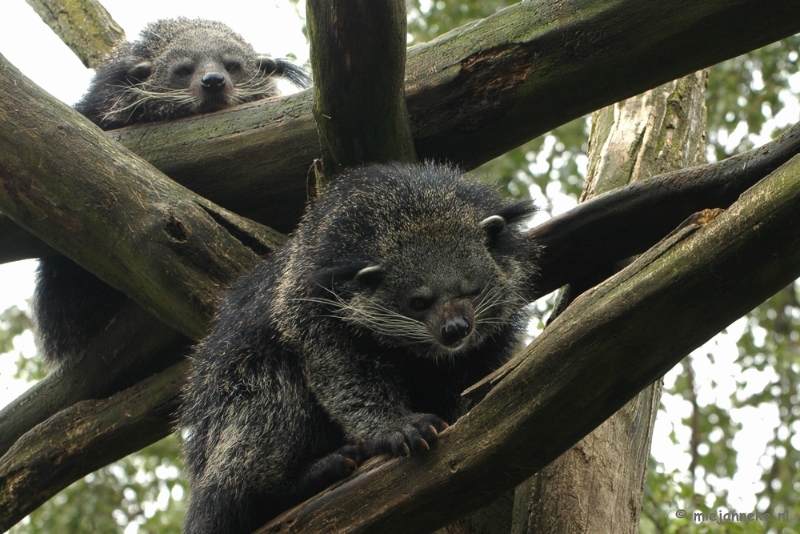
<point>419,304</point>
<point>184,69</point>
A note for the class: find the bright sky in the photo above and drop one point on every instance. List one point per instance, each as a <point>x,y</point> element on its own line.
<point>275,28</point>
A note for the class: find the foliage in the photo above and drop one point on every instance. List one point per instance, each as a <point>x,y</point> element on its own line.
<point>13,322</point>
<point>746,91</point>
<point>146,489</point>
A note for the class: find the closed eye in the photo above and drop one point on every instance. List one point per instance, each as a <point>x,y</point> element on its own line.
<point>419,304</point>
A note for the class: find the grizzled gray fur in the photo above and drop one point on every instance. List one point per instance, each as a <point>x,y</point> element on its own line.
<point>177,67</point>
<point>401,287</point>
<point>180,67</point>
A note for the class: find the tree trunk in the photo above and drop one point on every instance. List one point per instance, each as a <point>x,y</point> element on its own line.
<point>597,485</point>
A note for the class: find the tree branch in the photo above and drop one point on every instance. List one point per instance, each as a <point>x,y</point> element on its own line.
<point>472,94</point>
<point>608,345</point>
<point>83,438</point>
<point>133,347</point>
<point>84,25</point>
<point>627,221</point>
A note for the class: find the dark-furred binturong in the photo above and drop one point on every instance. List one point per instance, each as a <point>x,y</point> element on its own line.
<point>401,287</point>
<point>178,67</point>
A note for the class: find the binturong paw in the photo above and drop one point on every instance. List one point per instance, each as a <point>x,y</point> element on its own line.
<point>335,466</point>
<point>413,432</point>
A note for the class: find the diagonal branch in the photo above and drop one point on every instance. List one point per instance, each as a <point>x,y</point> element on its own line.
<point>84,25</point>
<point>608,345</point>
<point>166,247</point>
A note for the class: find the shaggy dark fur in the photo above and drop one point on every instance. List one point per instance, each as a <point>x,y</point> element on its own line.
<point>402,286</point>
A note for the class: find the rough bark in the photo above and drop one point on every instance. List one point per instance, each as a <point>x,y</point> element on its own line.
<point>358,55</point>
<point>612,342</point>
<point>84,25</point>
<point>111,212</point>
<point>600,480</point>
<point>626,221</point>
<point>133,347</point>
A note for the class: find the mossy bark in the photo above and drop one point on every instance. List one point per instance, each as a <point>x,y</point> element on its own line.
<point>358,55</point>
<point>598,484</point>
<point>84,25</point>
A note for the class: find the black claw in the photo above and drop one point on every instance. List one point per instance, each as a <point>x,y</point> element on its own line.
<point>424,444</point>
<point>406,450</point>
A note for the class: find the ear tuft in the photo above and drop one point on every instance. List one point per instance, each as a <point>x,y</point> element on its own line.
<point>267,64</point>
<point>493,224</point>
<point>371,275</point>
<point>141,71</point>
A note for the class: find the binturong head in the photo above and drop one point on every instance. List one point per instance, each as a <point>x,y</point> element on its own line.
<point>180,67</point>
<point>418,257</point>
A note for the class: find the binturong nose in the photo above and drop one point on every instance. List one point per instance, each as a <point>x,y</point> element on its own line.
<point>455,330</point>
<point>213,81</point>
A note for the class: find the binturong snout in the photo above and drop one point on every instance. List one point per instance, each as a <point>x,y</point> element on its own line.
<point>457,321</point>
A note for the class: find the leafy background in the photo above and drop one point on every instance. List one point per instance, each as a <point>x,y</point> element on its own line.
<point>708,398</point>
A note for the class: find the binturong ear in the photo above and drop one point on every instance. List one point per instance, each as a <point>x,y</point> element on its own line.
<point>267,64</point>
<point>494,224</point>
<point>140,72</point>
<point>370,276</point>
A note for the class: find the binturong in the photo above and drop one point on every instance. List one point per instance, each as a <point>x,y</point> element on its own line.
<point>401,287</point>
<point>178,67</point>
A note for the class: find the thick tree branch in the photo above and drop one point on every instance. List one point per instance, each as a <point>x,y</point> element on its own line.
<point>84,25</point>
<point>472,94</point>
<point>629,220</point>
<point>133,346</point>
<point>607,346</point>
<point>64,180</point>
<point>358,54</point>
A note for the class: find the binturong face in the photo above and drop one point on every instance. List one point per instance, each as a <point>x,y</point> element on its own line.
<point>205,69</point>
<point>438,291</point>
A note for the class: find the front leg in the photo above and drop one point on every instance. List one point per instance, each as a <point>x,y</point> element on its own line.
<point>365,396</point>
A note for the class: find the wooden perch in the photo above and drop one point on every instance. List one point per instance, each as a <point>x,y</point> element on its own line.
<point>472,94</point>
<point>607,346</point>
<point>131,348</point>
<point>629,220</point>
